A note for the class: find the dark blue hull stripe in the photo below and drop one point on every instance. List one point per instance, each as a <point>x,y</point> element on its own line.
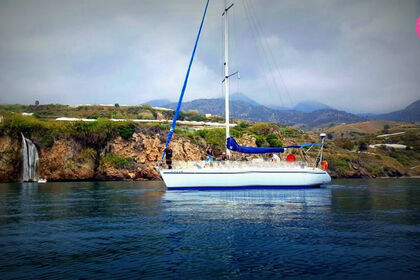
<point>243,187</point>
<point>243,172</point>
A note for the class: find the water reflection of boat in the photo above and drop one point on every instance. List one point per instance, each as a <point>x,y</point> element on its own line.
<point>251,174</point>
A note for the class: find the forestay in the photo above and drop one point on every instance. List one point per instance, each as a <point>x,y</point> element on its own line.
<point>184,86</point>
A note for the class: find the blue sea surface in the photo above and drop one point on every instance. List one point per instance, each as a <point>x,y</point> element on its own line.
<point>352,229</point>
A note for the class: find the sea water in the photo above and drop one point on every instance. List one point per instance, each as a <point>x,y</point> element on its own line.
<point>352,229</point>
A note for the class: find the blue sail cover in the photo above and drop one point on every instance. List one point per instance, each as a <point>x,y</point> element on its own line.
<point>232,145</point>
<point>178,107</point>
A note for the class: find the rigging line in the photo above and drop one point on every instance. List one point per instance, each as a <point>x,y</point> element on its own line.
<point>254,32</point>
<point>265,48</point>
<point>270,51</point>
<point>221,57</point>
<point>178,108</point>
<point>235,60</point>
<point>273,59</point>
<point>259,45</point>
<point>266,56</point>
<point>262,50</point>
<point>235,36</point>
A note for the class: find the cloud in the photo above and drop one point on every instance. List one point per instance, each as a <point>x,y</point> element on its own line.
<point>354,55</point>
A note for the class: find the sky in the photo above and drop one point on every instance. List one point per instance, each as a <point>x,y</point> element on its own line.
<point>358,56</point>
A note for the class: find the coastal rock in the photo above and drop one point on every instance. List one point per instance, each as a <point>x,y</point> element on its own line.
<point>247,140</point>
<point>66,160</point>
<point>146,151</point>
<point>69,158</point>
<point>10,160</point>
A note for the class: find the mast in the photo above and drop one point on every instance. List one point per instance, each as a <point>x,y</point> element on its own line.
<point>226,78</point>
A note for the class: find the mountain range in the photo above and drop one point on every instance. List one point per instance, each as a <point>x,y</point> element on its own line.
<point>158,102</point>
<point>305,115</point>
<point>306,106</point>
<point>246,111</point>
<point>411,113</point>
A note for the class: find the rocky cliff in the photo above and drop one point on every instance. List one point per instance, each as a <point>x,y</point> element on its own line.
<point>67,159</point>
<point>10,160</point>
<point>125,151</point>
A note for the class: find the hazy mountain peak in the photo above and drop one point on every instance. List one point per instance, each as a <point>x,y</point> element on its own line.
<point>414,106</point>
<point>411,113</point>
<point>309,106</point>
<point>158,102</point>
<point>239,96</point>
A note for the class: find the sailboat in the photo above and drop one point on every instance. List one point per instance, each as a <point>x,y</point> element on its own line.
<point>240,174</point>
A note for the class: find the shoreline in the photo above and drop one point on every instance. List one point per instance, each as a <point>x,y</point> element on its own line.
<point>155,180</point>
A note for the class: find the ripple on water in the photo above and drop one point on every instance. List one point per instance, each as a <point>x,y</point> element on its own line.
<point>126,230</point>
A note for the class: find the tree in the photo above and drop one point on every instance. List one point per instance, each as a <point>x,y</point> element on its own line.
<point>260,128</point>
<point>193,112</point>
<point>362,146</point>
<point>344,143</point>
<point>386,128</point>
<point>117,105</point>
<point>126,131</point>
<point>36,103</point>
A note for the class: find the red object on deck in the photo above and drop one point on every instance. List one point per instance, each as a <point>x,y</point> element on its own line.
<point>290,158</point>
<point>324,165</point>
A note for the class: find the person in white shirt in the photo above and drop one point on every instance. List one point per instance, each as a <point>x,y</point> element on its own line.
<point>274,157</point>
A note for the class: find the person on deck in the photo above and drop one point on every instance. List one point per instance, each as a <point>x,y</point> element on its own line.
<point>209,152</point>
<point>168,157</point>
<point>274,157</point>
<point>223,157</point>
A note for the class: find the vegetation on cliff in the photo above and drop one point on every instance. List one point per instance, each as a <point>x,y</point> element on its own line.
<point>105,149</point>
<point>145,112</point>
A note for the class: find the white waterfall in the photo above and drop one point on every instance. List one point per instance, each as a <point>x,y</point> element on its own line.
<point>30,161</point>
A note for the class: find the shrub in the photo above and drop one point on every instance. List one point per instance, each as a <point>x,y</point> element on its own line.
<point>260,128</point>
<point>242,125</point>
<point>214,136</point>
<point>338,164</point>
<point>362,146</point>
<point>117,115</point>
<point>386,128</point>
<point>403,156</point>
<point>147,107</point>
<point>134,110</point>
<point>271,137</point>
<point>275,143</point>
<point>291,132</point>
<point>193,112</point>
<point>201,133</point>
<point>412,138</point>
<point>154,113</point>
<point>88,153</point>
<point>126,132</point>
<point>181,115</point>
<point>116,161</point>
<point>346,144</point>
<point>198,118</point>
<point>259,140</point>
<point>236,133</point>
<point>47,140</point>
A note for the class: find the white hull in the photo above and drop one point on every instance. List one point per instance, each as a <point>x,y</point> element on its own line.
<point>244,177</point>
